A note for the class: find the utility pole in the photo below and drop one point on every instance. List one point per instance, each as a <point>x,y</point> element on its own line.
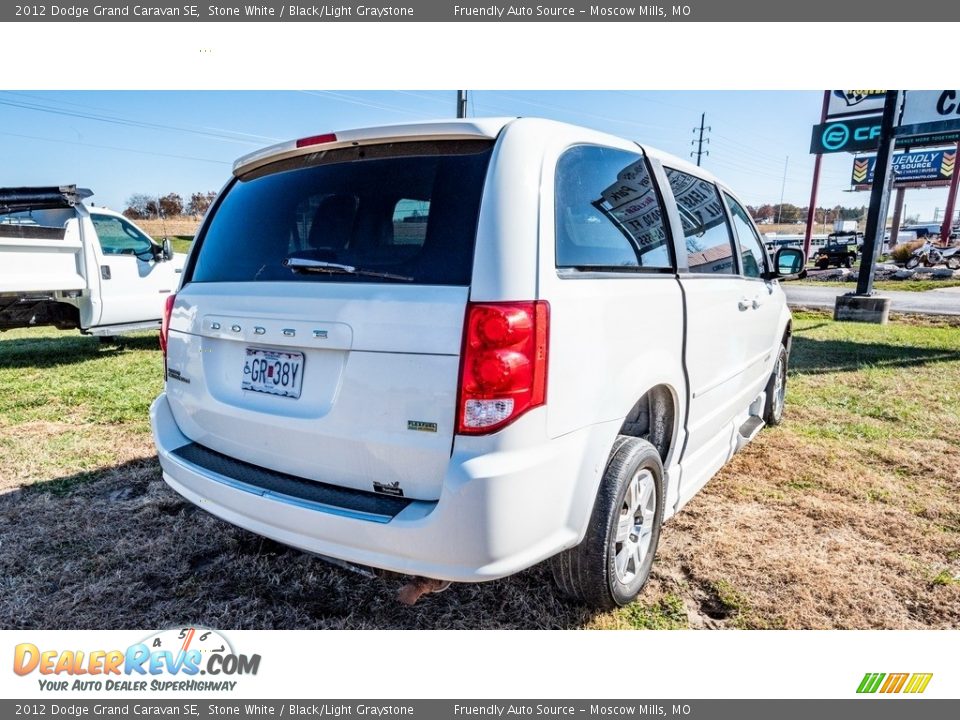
<point>898,206</point>
<point>783,188</point>
<point>700,152</point>
<point>461,103</point>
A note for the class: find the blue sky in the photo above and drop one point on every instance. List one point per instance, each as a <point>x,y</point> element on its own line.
<point>155,142</point>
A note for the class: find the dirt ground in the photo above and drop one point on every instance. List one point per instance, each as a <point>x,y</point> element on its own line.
<point>845,516</point>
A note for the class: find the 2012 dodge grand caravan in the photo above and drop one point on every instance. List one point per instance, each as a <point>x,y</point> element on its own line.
<point>456,349</point>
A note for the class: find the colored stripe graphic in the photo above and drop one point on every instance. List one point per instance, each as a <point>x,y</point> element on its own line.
<point>948,164</point>
<point>918,683</point>
<point>894,683</point>
<point>860,168</point>
<point>870,682</point>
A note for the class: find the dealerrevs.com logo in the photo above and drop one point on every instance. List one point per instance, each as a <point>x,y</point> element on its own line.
<point>180,659</point>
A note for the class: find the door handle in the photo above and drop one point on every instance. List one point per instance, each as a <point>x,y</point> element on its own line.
<point>745,304</point>
<point>757,302</point>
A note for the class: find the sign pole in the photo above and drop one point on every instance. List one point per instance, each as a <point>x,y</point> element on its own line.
<point>879,195</point>
<point>951,204</point>
<point>815,186</point>
<point>897,216</point>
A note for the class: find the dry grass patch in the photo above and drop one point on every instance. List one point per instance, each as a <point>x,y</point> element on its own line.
<point>845,516</point>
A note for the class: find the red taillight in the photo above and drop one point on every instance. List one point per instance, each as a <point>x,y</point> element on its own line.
<point>316,140</point>
<point>504,364</point>
<point>165,322</point>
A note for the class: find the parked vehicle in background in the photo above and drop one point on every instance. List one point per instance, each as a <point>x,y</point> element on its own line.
<point>841,250</point>
<point>951,257</point>
<point>929,230</point>
<point>928,254</point>
<point>454,350</point>
<point>71,266</point>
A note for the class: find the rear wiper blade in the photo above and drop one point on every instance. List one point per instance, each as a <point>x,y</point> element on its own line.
<point>322,266</point>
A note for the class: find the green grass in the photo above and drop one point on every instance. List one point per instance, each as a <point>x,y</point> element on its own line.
<point>181,243</point>
<point>902,285</point>
<point>865,462</point>
<point>71,405</point>
<point>946,578</point>
<point>877,383</point>
<point>51,375</point>
<point>668,613</point>
<point>915,285</point>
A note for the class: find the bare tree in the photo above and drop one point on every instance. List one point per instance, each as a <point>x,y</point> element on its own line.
<point>138,206</point>
<point>199,202</point>
<point>171,205</point>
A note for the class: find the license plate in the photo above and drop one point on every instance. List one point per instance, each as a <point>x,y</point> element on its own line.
<point>275,372</point>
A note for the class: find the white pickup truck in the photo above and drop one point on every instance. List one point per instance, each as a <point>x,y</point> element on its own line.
<point>72,266</point>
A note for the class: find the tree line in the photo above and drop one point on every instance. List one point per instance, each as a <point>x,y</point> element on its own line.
<point>141,206</point>
<point>788,213</point>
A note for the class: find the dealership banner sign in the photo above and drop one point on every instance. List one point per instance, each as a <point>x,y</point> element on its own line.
<point>847,103</point>
<point>848,135</point>
<point>932,168</point>
<point>930,111</point>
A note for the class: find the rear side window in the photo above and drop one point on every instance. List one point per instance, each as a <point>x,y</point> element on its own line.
<point>752,254</point>
<point>705,229</point>
<point>403,212</point>
<point>608,214</point>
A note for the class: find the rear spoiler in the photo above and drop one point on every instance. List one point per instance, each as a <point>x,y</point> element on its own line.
<point>41,198</point>
<point>473,129</point>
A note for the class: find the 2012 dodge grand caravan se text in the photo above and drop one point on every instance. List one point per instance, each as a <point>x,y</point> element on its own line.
<point>454,350</point>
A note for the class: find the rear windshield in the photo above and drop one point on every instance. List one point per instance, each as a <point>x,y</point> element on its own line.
<point>396,213</point>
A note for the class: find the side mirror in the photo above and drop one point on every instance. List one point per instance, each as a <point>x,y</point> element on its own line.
<point>789,264</point>
<point>166,250</point>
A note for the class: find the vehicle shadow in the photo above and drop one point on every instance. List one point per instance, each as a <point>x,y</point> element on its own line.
<point>44,352</point>
<point>815,357</point>
<point>118,548</point>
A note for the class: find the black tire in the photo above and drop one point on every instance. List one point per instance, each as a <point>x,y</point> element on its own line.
<point>588,573</point>
<point>912,262</point>
<point>953,262</point>
<point>773,406</point>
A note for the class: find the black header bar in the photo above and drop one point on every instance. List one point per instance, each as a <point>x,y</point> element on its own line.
<point>475,11</point>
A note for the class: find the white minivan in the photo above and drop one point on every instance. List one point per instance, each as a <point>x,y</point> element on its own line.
<point>457,349</point>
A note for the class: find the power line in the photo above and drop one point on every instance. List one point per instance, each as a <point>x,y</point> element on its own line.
<point>421,96</point>
<point>61,101</point>
<point>116,120</point>
<point>344,98</point>
<point>571,111</point>
<point>114,147</point>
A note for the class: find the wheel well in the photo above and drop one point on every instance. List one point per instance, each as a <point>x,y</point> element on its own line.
<point>652,418</point>
<point>22,311</point>
<point>787,339</point>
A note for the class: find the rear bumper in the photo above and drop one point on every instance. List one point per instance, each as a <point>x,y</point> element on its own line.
<point>506,504</point>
